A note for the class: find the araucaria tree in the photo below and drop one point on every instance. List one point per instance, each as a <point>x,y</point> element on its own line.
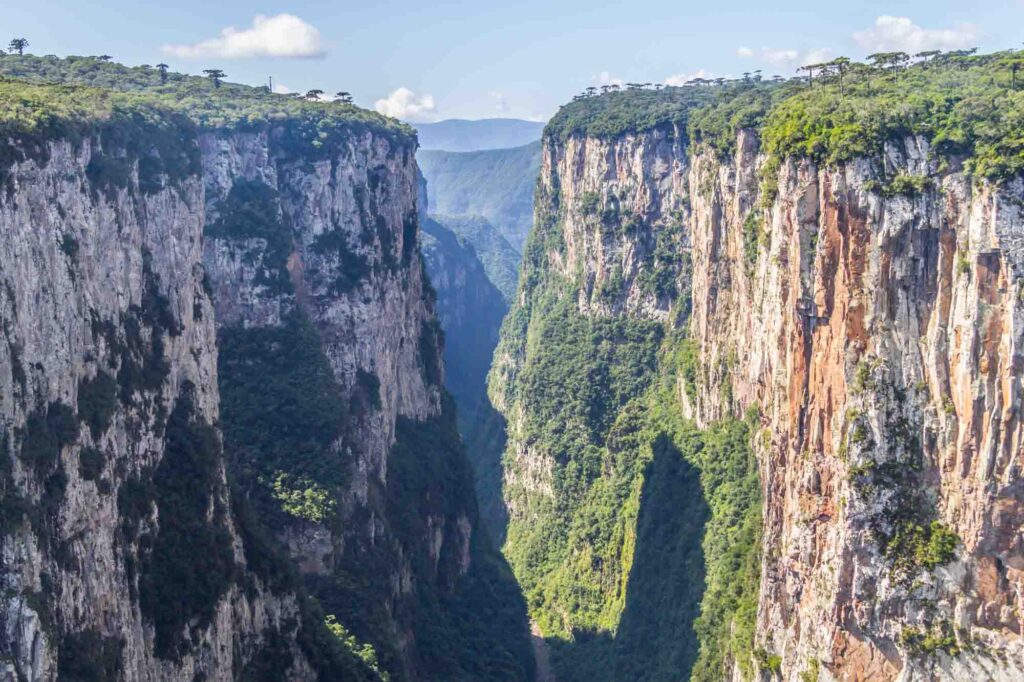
<point>215,75</point>
<point>313,95</point>
<point>162,68</point>
<point>18,45</point>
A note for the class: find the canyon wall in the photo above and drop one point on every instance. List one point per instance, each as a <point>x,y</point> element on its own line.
<point>859,318</point>
<point>228,452</point>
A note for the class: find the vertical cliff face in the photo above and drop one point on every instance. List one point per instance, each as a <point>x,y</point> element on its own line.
<point>833,349</point>
<point>121,553</point>
<point>877,329</point>
<point>316,270</point>
<point>227,450</point>
<point>471,310</point>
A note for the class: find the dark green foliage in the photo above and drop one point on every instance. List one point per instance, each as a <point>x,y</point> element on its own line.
<point>251,211</point>
<point>471,627</point>
<point>189,563</point>
<point>616,113</point>
<point>431,344</point>
<point>88,656</point>
<point>352,268</point>
<point>97,402</point>
<point>369,384</point>
<point>90,463</point>
<point>46,432</point>
<point>753,236</point>
<point>281,408</point>
<point>69,246</point>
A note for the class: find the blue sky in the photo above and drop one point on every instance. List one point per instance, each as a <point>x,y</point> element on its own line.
<point>460,59</point>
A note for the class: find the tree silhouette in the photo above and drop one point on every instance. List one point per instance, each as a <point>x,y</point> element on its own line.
<point>18,45</point>
<point>215,75</point>
<point>841,65</point>
<point>313,95</point>
<point>162,68</point>
<point>343,97</point>
<point>104,58</point>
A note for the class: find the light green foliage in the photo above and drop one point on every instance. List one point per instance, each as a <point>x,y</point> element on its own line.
<point>965,106</point>
<point>303,498</point>
<point>930,641</point>
<point>754,236</point>
<point>93,90</point>
<point>597,399</point>
<point>365,652</point>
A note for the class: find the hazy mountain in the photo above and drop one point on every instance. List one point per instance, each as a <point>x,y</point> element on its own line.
<point>499,258</point>
<point>496,184</point>
<point>460,135</point>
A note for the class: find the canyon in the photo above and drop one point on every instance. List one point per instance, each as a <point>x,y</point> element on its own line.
<point>752,412</point>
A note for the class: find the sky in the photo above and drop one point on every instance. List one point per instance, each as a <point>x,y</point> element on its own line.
<point>425,61</point>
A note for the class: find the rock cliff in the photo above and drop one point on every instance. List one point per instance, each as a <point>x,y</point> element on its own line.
<point>841,308</point>
<point>251,268</point>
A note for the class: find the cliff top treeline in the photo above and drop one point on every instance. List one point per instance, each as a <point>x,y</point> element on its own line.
<point>50,94</point>
<point>970,107</point>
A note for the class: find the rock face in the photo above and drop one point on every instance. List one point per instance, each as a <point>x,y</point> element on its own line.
<point>156,292</point>
<point>877,332</point>
<point>471,310</point>
<point>873,325</point>
<point>112,473</point>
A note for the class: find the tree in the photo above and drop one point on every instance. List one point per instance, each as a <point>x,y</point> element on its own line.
<point>104,58</point>
<point>18,45</point>
<point>894,61</point>
<point>215,75</point>
<point>343,97</point>
<point>810,72</point>
<point>313,95</point>
<point>841,65</point>
<point>162,68</point>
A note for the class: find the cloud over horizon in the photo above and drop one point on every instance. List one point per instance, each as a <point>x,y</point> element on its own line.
<point>282,35</point>
<point>892,34</point>
<point>406,105</point>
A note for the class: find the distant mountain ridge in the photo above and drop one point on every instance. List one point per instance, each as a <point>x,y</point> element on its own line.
<point>461,135</point>
<point>497,184</point>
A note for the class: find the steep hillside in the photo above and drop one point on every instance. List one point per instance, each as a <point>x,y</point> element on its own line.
<point>471,311</point>
<point>500,260</point>
<point>219,260</point>
<point>497,184</point>
<point>459,135</point>
<point>761,380</point>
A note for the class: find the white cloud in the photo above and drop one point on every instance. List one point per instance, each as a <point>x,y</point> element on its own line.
<point>787,58</point>
<point>891,34</point>
<point>406,105</point>
<point>282,35</point>
<point>683,78</point>
<point>500,103</point>
<point>605,78</point>
<point>282,89</point>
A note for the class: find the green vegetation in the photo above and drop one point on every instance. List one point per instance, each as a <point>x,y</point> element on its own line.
<point>496,185</point>
<point>365,652</point>
<point>86,89</point>
<point>499,259</point>
<point>282,411</point>
<point>633,489</point>
<point>968,107</point>
<point>187,564</point>
<point>932,640</point>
